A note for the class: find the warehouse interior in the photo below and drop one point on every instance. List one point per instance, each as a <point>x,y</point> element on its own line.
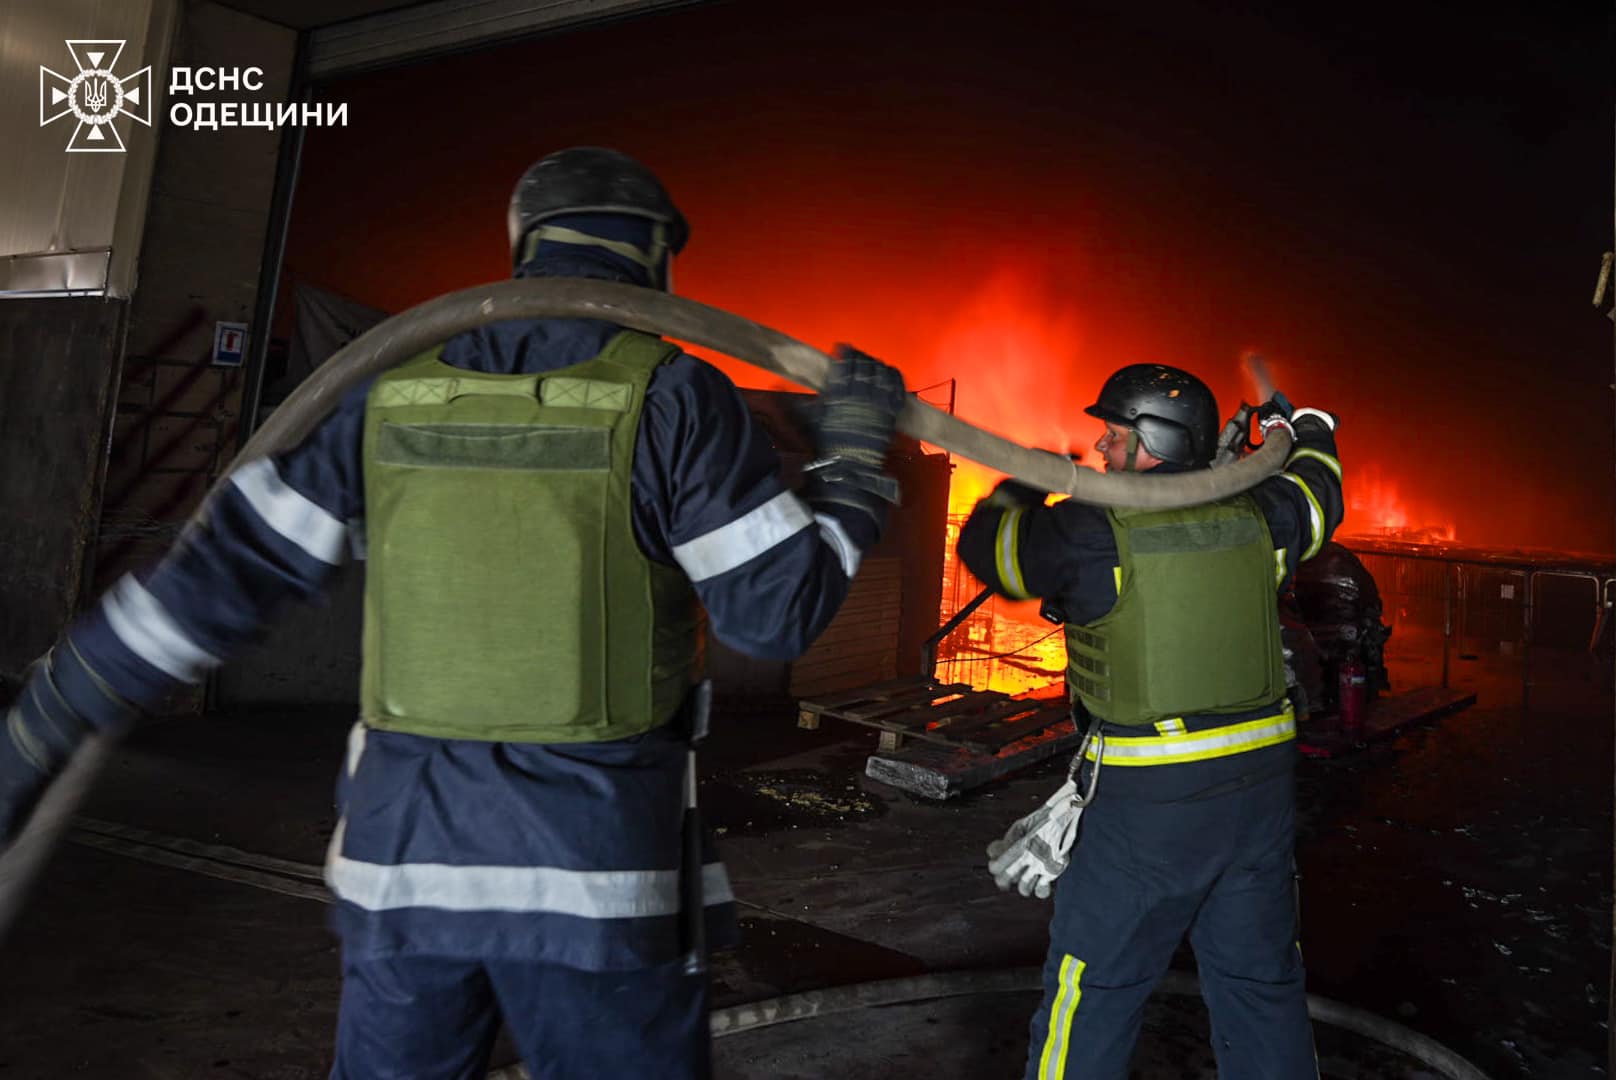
<point>1404,211</point>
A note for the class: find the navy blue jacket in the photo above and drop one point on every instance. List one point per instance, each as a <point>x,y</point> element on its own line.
<point>1065,553</point>
<point>567,854</point>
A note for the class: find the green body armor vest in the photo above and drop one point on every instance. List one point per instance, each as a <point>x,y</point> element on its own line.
<point>505,596</point>
<point>1195,629</point>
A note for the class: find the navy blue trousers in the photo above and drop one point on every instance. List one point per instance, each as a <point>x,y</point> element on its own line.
<point>1203,849</point>
<point>427,1018</point>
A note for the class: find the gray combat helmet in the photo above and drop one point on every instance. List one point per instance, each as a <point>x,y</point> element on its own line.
<point>1174,413</point>
<point>594,180</point>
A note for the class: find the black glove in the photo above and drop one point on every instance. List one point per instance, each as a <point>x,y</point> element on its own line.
<point>856,414</point>
<point>858,409</point>
<point>1012,493</point>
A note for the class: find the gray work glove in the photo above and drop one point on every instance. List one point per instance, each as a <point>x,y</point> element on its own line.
<point>858,409</point>
<point>856,415</point>
<point>1036,849</point>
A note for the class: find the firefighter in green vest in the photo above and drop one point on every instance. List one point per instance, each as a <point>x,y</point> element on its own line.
<point>1184,786</point>
<point>542,504</point>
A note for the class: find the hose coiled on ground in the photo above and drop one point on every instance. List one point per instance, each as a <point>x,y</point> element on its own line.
<point>811,1004</point>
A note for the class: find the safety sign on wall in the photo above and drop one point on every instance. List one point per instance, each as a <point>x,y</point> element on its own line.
<point>229,343</point>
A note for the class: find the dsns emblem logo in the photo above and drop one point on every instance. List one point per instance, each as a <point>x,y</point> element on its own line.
<point>95,96</point>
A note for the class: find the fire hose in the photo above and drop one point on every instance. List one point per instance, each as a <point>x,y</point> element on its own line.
<point>435,321</point>
<point>917,988</point>
<point>431,323</point>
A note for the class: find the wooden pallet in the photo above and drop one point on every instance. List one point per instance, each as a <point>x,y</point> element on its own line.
<point>935,771</point>
<point>949,714</point>
<point>939,739</point>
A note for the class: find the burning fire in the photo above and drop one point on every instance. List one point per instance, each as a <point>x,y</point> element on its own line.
<point>1024,378</point>
<point>1018,350</point>
<point>1018,347</point>
<point>970,484</point>
<point>1375,508</point>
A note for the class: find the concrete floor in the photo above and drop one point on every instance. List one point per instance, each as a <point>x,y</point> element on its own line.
<point>1456,879</point>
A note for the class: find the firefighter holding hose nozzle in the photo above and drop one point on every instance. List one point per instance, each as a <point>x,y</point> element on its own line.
<point>1184,783</point>
<point>543,503</point>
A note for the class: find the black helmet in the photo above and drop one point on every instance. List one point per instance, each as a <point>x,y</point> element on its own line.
<point>592,180</point>
<point>1174,413</point>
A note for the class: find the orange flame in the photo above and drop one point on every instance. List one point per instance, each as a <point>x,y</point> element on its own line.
<point>1376,508</point>
<point>1018,347</point>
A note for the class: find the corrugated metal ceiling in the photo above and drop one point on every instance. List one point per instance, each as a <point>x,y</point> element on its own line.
<point>354,35</point>
<point>310,14</point>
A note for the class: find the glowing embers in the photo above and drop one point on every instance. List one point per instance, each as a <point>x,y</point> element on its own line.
<point>1002,645</point>
<point>1376,508</point>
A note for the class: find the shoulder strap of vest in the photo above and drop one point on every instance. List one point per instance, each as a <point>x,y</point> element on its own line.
<point>1135,517</point>
<point>1208,526</point>
<point>417,365</point>
<point>640,352</point>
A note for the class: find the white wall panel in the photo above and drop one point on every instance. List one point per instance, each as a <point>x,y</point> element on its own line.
<point>62,213</point>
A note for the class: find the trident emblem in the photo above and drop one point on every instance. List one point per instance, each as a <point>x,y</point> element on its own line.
<point>95,96</point>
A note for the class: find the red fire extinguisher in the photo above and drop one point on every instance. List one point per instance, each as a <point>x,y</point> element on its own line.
<point>1354,695</point>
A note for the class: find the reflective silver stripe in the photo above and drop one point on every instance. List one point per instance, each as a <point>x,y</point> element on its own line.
<point>743,539</point>
<point>356,747</point>
<point>587,894</point>
<point>1197,746</point>
<point>289,512</point>
<point>1057,1043</point>
<point>1315,517</point>
<point>831,531</point>
<point>150,632</point>
<point>1324,417</point>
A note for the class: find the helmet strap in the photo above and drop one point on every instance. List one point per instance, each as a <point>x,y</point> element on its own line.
<point>1133,450</point>
<point>651,259</point>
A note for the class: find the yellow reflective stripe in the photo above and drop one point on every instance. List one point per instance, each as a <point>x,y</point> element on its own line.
<point>1052,1065</point>
<point>1199,745</point>
<point>1279,567</point>
<point>1008,565</point>
<point>1116,576</point>
<point>1330,461</point>
<point>1173,726</point>
<point>1315,516</point>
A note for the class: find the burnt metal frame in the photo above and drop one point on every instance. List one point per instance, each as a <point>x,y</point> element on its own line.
<point>928,653</point>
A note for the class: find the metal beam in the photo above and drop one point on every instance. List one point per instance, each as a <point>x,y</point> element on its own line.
<point>61,273</point>
<point>443,26</point>
<point>288,162</point>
